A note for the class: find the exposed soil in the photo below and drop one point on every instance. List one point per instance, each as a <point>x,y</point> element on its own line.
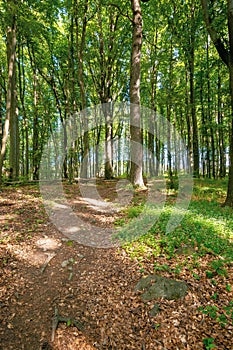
<point>41,269</point>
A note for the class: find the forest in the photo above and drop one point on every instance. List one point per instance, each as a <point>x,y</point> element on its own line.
<point>62,58</point>
<point>116,132</point>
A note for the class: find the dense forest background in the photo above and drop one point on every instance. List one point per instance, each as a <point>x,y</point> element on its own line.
<point>61,57</point>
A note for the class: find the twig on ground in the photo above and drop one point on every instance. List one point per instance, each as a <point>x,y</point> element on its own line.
<point>47,261</point>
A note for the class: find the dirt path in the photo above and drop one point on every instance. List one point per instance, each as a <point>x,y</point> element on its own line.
<point>42,270</point>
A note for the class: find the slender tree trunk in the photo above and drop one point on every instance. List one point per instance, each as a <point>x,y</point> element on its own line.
<point>97,147</point>
<point>35,145</point>
<point>11,95</point>
<point>135,115</point>
<point>151,149</point>
<point>188,122</point>
<point>152,135</point>
<point>221,142</point>
<point>205,141</point>
<point>169,106</point>
<point>80,51</point>
<point>25,137</point>
<point>108,169</point>
<point>14,123</point>
<point>1,109</point>
<point>105,91</point>
<point>14,141</point>
<point>213,172</point>
<point>194,118</point>
<point>157,148</point>
<point>229,199</point>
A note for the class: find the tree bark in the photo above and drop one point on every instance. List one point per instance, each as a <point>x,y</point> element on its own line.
<point>35,142</point>
<point>11,95</point>
<point>25,131</point>
<point>221,141</point>
<point>229,199</point>
<point>1,109</point>
<point>193,114</point>
<point>80,51</point>
<point>135,115</point>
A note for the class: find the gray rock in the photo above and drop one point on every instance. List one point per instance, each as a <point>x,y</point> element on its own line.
<point>155,310</point>
<point>155,287</point>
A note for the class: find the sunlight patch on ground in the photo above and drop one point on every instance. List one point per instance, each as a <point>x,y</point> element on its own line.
<point>30,256</point>
<point>47,243</point>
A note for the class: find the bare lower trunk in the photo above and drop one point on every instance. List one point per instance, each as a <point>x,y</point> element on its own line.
<point>108,152</point>
<point>11,96</point>
<point>229,198</point>
<point>80,50</point>
<point>135,117</point>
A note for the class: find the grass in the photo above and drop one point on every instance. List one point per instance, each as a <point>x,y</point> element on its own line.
<point>205,226</point>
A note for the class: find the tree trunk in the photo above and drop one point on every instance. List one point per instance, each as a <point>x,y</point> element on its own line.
<point>188,122</point>
<point>152,136</point>
<point>169,107</point>
<point>209,112</point>
<point>226,54</point>
<point>25,136</point>
<point>205,141</point>
<point>11,95</point>
<point>135,115</point>
<point>14,123</point>
<point>108,170</point>
<point>229,199</point>
<point>80,51</point>
<point>1,109</point>
<point>221,141</point>
<point>35,145</point>
<point>194,119</point>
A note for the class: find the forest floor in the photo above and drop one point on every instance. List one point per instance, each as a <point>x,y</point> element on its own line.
<point>42,270</point>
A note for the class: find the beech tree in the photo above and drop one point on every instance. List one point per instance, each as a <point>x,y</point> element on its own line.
<point>136,151</point>
<point>225,51</point>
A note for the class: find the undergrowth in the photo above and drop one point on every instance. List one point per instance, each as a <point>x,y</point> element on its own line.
<point>206,226</point>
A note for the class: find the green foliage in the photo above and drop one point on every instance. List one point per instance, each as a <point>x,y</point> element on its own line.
<point>218,267</point>
<point>70,243</point>
<point>196,276</point>
<point>210,310</point>
<point>209,343</point>
<point>229,310</point>
<point>223,316</point>
<point>119,222</point>
<point>163,267</point>
<point>134,212</point>
<point>69,323</point>
<point>209,274</point>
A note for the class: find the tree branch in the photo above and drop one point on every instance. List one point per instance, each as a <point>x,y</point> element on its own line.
<point>219,45</point>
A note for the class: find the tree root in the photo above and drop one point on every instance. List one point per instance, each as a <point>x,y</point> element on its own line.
<point>58,318</point>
